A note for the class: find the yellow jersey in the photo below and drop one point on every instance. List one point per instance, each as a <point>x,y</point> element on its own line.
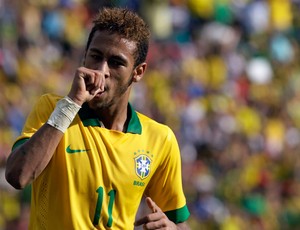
<point>97,177</point>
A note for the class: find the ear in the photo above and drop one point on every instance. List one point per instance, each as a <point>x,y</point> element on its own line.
<point>139,72</point>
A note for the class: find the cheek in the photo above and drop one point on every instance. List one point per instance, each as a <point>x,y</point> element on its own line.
<point>120,76</point>
<point>121,84</point>
<point>86,63</point>
<point>90,64</point>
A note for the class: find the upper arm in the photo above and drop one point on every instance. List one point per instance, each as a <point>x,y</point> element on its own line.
<point>39,115</point>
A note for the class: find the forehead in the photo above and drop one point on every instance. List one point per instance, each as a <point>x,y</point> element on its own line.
<point>108,42</point>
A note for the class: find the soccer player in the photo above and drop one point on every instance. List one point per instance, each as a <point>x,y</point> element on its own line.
<point>89,156</point>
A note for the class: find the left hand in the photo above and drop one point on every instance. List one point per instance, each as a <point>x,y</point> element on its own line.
<point>155,220</point>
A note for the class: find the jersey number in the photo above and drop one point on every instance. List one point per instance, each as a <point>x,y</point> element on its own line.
<point>111,195</point>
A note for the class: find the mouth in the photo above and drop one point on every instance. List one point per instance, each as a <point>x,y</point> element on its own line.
<point>100,93</point>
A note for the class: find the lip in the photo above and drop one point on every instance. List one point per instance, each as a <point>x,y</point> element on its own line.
<point>99,94</point>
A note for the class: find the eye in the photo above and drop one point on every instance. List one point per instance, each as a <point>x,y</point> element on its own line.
<point>96,57</point>
<point>115,63</point>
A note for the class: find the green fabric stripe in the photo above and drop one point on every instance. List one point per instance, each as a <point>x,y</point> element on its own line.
<point>89,118</point>
<point>134,125</point>
<point>178,215</point>
<point>19,142</point>
<point>91,122</point>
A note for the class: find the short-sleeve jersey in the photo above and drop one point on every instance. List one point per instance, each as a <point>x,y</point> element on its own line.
<point>97,177</point>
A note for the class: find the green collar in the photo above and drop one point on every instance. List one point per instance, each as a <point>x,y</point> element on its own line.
<point>89,118</point>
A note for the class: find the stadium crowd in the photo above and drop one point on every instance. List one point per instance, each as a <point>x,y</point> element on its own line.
<point>223,74</point>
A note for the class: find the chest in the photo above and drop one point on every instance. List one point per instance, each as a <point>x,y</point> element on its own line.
<point>96,156</point>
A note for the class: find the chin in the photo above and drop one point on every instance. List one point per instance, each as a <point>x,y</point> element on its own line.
<point>95,103</point>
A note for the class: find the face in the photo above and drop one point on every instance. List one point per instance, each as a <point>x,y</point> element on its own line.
<point>114,57</point>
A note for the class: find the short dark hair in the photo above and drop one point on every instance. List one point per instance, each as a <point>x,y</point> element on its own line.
<point>126,23</point>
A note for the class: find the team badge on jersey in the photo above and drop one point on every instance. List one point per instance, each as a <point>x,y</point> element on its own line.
<point>142,166</point>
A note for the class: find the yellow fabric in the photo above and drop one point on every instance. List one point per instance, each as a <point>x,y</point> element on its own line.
<point>66,194</point>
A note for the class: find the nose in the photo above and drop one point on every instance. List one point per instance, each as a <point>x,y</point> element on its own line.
<point>104,68</point>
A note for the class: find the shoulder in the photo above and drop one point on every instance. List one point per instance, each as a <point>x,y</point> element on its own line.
<point>153,127</point>
<point>46,103</point>
<point>47,100</point>
<point>50,98</point>
<point>151,123</point>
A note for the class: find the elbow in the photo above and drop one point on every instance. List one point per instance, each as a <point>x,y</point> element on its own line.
<point>14,179</point>
<point>15,174</point>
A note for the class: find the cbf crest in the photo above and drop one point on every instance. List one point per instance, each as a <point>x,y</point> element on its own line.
<point>142,166</point>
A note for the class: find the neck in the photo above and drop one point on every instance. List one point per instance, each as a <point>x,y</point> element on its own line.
<point>114,120</point>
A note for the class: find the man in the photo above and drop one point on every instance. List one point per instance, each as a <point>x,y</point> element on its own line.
<point>89,156</point>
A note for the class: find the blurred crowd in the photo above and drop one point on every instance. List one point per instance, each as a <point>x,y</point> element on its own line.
<point>223,74</point>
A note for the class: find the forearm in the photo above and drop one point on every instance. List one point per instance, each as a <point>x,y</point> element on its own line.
<point>26,162</point>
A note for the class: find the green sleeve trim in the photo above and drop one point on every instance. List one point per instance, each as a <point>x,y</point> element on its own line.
<point>19,142</point>
<point>179,215</point>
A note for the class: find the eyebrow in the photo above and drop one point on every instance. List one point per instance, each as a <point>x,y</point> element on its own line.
<point>95,50</point>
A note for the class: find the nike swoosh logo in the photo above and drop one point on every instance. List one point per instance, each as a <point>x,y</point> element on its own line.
<point>71,151</point>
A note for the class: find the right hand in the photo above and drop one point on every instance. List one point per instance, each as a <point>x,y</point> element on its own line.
<point>157,219</point>
<point>86,84</point>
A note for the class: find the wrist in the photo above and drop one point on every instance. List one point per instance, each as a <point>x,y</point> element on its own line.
<point>63,114</point>
<point>75,100</point>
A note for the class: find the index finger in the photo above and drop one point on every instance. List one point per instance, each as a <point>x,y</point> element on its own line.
<point>155,215</point>
<point>151,204</point>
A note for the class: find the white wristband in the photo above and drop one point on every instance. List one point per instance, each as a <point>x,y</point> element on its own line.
<point>63,114</point>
